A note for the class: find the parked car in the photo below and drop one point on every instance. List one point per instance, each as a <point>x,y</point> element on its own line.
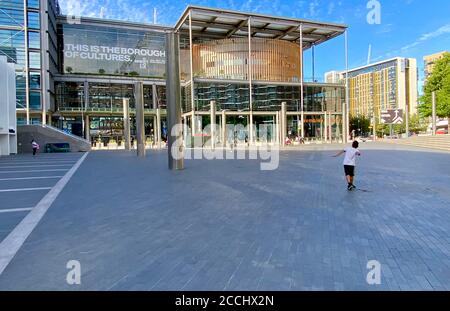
<point>442,132</point>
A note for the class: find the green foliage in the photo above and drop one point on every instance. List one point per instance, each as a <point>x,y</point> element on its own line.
<point>439,81</point>
<point>361,125</point>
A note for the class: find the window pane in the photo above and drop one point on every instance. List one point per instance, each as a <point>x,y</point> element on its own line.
<point>11,14</point>
<point>21,121</point>
<point>35,100</point>
<point>34,40</point>
<point>33,4</point>
<point>35,60</point>
<point>20,81</point>
<point>33,20</point>
<point>35,80</point>
<point>36,121</point>
<point>69,95</point>
<point>12,45</point>
<point>21,99</point>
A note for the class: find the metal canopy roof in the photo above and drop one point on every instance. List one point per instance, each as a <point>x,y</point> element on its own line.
<point>220,24</point>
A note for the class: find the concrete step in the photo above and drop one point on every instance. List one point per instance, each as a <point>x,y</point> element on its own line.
<point>427,146</point>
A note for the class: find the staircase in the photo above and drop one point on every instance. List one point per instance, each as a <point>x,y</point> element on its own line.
<point>439,142</point>
<point>45,134</point>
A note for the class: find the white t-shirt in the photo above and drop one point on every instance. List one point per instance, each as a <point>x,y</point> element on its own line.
<point>350,156</point>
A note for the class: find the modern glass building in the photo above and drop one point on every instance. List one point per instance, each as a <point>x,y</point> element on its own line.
<point>76,73</point>
<point>24,41</point>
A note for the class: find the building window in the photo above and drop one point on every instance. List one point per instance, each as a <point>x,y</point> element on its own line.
<point>109,97</point>
<point>69,95</point>
<point>34,4</point>
<point>12,45</point>
<point>21,121</point>
<point>35,60</point>
<point>35,100</point>
<point>35,80</point>
<point>34,40</point>
<point>33,20</point>
<point>21,102</point>
<point>36,121</point>
<point>11,13</point>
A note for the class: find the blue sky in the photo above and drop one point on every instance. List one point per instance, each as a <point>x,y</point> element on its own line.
<point>408,28</point>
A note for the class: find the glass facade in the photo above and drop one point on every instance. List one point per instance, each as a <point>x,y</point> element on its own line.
<point>235,97</point>
<point>14,46</point>
<point>227,96</point>
<point>98,50</point>
<point>104,97</point>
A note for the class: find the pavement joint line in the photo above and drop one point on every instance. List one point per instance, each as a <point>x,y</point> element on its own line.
<point>34,171</point>
<point>15,210</point>
<point>15,239</point>
<point>31,166</point>
<point>38,161</point>
<point>25,189</point>
<point>30,178</point>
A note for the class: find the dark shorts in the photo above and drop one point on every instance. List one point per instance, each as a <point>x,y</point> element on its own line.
<point>349,170</point>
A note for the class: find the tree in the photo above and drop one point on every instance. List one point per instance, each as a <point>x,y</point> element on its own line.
<point>439,82</point>
<point>360,124</point>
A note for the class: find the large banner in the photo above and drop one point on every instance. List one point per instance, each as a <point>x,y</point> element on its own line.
<point>111,51</point>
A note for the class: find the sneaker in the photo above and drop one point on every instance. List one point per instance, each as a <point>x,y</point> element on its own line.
<point>352,187</point>
<point>349,188</point>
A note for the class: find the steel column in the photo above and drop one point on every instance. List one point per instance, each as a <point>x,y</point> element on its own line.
<point>302,115</point>
<point>224,129</point>
<point>174,125</point>
<point>126,123</point>
<point>250,79</point>
<point>140,124</point>
<point>191,63</point>
<point>158,128</point>
<point>213,123</point>
<point>283,123</point>
<point>26,69</point>
<point>347,95</point>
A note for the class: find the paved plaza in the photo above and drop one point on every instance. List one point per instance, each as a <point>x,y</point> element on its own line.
<point>226,225</point>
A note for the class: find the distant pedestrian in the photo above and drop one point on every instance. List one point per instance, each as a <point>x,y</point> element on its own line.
<point>35,146</point>
<point>350,163</point>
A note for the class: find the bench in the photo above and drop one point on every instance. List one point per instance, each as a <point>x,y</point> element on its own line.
<point>57,147</point>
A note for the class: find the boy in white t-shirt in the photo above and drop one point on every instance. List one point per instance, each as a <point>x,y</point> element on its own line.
<point>350,163</point>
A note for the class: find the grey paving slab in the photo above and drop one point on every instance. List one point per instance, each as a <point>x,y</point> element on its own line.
<point>134,225</point>
<point>26,199</point>
<point>8,221</point>
<point>27,183</point>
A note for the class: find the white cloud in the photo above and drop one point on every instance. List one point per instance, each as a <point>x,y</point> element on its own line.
<point>425,37</point>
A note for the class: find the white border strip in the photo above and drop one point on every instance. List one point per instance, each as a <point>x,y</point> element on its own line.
<point>30,178</point>
<point>34,171</point>
<point>36,165</point>
<point>25,189</point>
<point>14,241</point>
